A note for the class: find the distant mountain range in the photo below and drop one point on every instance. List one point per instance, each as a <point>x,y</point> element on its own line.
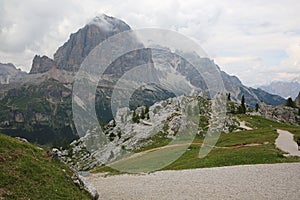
<point>283,88</point>
<point>9,73</point>
<point>39,106</point>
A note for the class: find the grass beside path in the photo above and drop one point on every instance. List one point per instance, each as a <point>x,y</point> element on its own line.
<point>263,134</point>
<point>26,172</point>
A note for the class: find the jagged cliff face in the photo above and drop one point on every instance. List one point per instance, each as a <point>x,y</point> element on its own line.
<point>42,102</point>
<point>70,56</point>
<point>41,64</point>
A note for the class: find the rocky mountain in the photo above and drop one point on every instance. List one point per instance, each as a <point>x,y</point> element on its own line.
<point>9,73</point>
<point>283,89</point>
<point>42,103</point>
<point>42,64</point>
<point>39,108</point>
<point>183,77</point>
<point>70,56</point>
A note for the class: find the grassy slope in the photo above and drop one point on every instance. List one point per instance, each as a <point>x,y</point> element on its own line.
<point>26,172</point>
<point>264,133</point>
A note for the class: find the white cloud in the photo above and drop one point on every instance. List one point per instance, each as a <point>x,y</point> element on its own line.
<point>237,34</point>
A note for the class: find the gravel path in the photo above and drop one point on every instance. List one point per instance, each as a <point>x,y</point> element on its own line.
<point>269,181</point>
<point>285,142</point>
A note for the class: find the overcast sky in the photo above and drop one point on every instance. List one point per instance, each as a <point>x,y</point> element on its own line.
<point>258,40</point>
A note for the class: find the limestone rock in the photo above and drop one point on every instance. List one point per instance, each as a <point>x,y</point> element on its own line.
<point>279,113</point>
<point>70,56</point>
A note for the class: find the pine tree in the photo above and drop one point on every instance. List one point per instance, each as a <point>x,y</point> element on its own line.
<point>242,107</point>
<point>146,109</point>
<point>256,107</point>
<point>143,114</point>
<point>229,97</point>
<point>290,103</point>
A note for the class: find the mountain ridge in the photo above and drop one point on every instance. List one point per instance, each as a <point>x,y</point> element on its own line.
<point>42,102</point>
<point>284,89</point>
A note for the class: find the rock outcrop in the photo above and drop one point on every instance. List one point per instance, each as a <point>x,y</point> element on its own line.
<point>280,113</point>
<point>42,64</point>
<point>297,100</point>
<point>132,131</point>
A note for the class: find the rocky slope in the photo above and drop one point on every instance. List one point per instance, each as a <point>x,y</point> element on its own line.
<point>281,113</point>
<point>174,119</point>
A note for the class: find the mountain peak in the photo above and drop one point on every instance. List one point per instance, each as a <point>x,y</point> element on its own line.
<point>70,56</point>
<point>108,23</point>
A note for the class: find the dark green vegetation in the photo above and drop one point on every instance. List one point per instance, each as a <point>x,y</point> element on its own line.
<point>290,103</point>
<point>26,172</point>
<point>237,148</point>
<point>40,112</point>
<point>242,108</point>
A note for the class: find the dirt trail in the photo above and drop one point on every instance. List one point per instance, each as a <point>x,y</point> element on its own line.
<point>243,125</point>
<point>285,142</point>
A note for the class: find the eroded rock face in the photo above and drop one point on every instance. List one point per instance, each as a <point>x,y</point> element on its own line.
<point>41,64</point>
<point>70,56</point>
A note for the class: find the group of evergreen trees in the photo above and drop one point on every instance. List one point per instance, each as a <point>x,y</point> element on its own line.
<point>144,115</point>
<point>241,109</point>
<point>292,104</point>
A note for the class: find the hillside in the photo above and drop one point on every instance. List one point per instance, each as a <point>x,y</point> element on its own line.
<point>26,172</point>
<point>181,125</point>
<point>255,146</point>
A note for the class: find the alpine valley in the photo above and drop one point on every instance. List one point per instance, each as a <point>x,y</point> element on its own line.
<point>38,105</point>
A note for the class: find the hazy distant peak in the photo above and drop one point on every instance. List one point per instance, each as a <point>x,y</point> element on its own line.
<point>297,79</point>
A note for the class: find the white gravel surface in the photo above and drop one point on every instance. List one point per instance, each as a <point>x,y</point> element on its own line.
<point>285,142</point>
<point>268,181</point>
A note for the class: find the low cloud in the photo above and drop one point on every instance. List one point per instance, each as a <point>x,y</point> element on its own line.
<point>237,34</point>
